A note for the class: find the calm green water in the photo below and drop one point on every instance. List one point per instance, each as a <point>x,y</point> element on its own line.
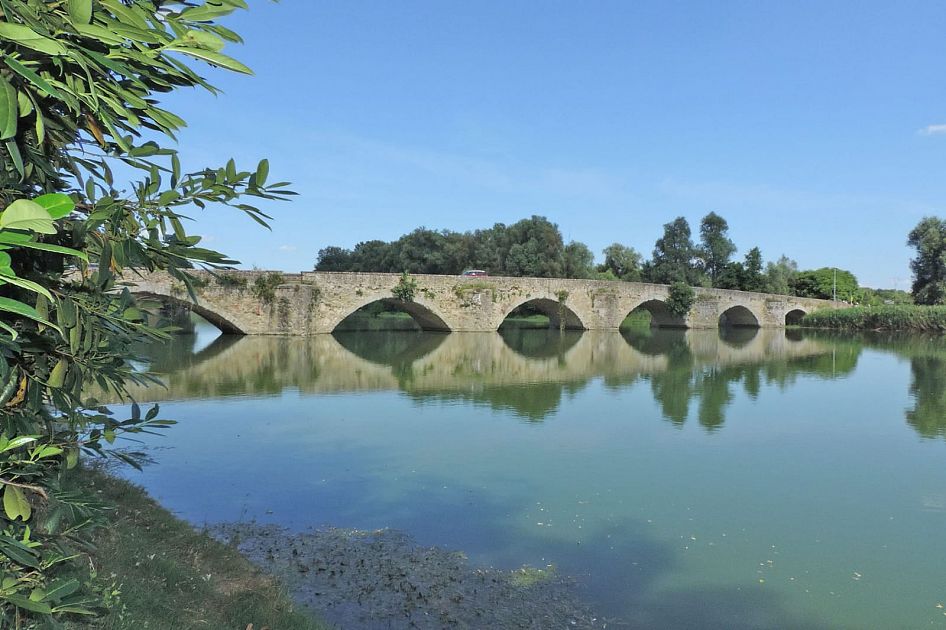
<point>758,479</point>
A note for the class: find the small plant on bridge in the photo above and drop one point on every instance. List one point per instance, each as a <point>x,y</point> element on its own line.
<point>405,289</point>
<point>231,281</point>
<point>264,287</point>
<point>681,299</point>
<point>562,296</point>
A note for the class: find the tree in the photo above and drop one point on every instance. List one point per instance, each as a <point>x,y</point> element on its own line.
<point>673,256</point>
<point>535,249</point>
<point>622,261</point>
<point>820,283</point>
<point>780,275</point>
<point>531,247</point>
<point>334,258</point>
<point>579,261</point>
<point>489,249</point>
<point>79,86</point>
<point>752,278</point>
<point>422,251</point>
<point>733,276</point>
<point>929,266</point>
<point>373,256</point>
<point>680,299</point>
<point>716,247</point>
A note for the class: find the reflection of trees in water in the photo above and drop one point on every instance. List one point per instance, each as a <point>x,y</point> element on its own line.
<point>397,349</point>
<point>683,381</point>
<point>392,348</point>
<point>928,390</point>
<point>532,401</point>
<point>526,372</point>
<point>738,336</point>
<point>657,341</point>
<point>539,343</point>
<point>927,355</point>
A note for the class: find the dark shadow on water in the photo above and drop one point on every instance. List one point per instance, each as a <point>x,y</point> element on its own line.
<point>657,341</point>
<point>393,348</point>
<point>738,336</point>
<point>539,343</point>
<point>532,402</point>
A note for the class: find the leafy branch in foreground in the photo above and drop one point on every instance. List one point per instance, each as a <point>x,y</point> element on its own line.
<point>80,82</point>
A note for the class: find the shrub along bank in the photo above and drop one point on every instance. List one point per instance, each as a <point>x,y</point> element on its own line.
<point>895,317</point>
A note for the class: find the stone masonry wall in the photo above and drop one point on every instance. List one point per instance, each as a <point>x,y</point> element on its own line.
<point>316,302</point>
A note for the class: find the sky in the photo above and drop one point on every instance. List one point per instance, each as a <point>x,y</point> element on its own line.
<point>817,129</point>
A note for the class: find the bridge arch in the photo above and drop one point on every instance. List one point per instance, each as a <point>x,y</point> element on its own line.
<point>660,315</point>
<point>559,314</point>
<point>738,315</point>
<point>227,323</point>
<point>423,315</point>
<point>793,317</point>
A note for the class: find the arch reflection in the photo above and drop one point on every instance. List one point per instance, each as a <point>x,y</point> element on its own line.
<point>528,373</point>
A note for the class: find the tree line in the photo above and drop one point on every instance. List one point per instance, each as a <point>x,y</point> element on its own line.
<point>535,247</point>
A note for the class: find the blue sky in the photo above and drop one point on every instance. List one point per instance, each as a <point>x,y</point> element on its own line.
<point>812,127</point>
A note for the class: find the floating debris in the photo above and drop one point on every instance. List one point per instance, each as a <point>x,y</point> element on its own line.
<point>382,579</point>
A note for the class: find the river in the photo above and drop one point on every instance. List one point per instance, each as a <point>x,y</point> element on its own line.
<point>738,479</point>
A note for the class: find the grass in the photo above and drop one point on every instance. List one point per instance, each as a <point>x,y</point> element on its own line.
<point>173,577</point>
<point>906,317</point>
<point>638,318</point>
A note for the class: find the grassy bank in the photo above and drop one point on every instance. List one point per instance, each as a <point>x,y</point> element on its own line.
<point>173,577</point>
<point>896,317</point>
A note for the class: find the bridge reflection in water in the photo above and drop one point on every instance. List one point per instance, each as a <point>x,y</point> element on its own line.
<point>524,371</point>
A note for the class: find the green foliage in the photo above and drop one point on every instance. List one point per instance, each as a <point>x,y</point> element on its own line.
<point>680,299</point>
<point>530,247</point>
<point>752,278</point>
<point>405,289</point>
<point>882,297</point>
<point>929,266</point>
<point>820,283</point>
<point>334,259</point>
<point>913,318</point>
<point>231,281</point>
<point>622,262</point>
<point>780,276</point>
<point>79,86</point>
<point>674,258</point>
<point>716,247</point>
<point>579,261</point>
<point>264,286</point>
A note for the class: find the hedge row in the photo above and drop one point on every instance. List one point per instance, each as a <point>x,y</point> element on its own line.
<point>896,317</point>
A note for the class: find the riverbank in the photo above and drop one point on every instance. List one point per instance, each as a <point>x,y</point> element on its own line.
<point>170,576</point>
<point>895,317</point>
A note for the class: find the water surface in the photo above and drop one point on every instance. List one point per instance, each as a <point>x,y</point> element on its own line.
<point>744,479</point>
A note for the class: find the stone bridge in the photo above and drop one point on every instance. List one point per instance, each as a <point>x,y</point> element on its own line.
<point>309,303</point>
